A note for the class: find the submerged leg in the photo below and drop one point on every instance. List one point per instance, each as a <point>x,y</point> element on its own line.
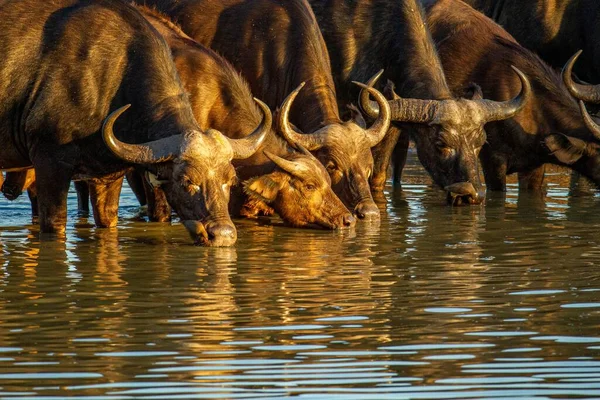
<point>494,169</point>
<point>136,183</point>
<point>532,180</point>
<point>105,201</point>
<point>52,188</point>
<point>399,158</point>
<point>382,154</point>
<point>33,198</point>
<point>159,209</point>
<point>83,198</point>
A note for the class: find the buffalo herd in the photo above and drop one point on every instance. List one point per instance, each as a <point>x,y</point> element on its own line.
<point>220,108</point>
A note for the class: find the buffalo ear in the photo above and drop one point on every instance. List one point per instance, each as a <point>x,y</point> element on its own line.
<point>473,92</point>
<point>357,116</point>
<point>566,149</point>
<point>264,188</point>
<point>389,91</point>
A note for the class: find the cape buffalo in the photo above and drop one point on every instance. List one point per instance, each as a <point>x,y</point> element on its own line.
<point>277,177</point>
<point>364,36</point>
<point>473,48</point>
<point>277,45</point>
<point>66,65</point>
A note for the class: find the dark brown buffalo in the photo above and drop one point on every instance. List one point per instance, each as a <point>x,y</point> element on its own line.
<point>66,64</point>
<point>554,29</point>
<point>473,48</point>
<point>277,177</point>
<point>364,36</point>
<point>277,46</point>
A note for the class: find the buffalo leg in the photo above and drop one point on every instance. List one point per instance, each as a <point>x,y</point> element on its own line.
<point>33,198</point>
<point>105,202</point>
<point>83,198</point>
<point>399,158</point>
<point>382,154</point>
<point>52,188</point>
<point>136,183</point>
<point>1,179</point>
<point>158,207</point>
<point>494,169</point>
<point>532,180</point>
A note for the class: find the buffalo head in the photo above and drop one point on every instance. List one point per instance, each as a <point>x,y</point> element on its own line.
<point>194,168</point>
<point>299,190</point>
<point>451,134</point>
<point>345,151</point>
<point>581,155</point>
<point>17,182</point>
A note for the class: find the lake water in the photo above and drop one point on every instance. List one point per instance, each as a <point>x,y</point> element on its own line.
<point>494,301</point>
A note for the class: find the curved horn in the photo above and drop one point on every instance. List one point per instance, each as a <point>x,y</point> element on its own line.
<point>244,148</point>
<point>304,151</point>
<point>406,110</point>
<point>369,107</point>
<point>313,141</point>
<point>147,153</point>
<point>499,110</point>
<point>589,121</point>
<point>381,125</point>
<point>590,93</point>
<point>295,169</point>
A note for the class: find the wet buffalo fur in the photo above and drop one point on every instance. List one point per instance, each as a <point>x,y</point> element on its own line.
<point>473,48</point>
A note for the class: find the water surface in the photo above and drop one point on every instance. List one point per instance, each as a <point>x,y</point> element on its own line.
<point>498,301</point>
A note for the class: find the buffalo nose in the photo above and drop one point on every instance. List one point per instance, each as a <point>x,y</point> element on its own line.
<point>221,234</point>
<point>367,211</point>
<point>10,192</point>
<point>463,193</point>
<point>348,220</point>
<point>214,234</point>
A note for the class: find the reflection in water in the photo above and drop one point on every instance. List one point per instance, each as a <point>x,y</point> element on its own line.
<point>434,302</point>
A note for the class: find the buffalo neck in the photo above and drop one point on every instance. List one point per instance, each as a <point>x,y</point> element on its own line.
<point>423,72</point>
<point>316,105</point>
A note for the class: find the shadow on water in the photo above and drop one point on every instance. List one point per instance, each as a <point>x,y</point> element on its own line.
<point>433,302</point>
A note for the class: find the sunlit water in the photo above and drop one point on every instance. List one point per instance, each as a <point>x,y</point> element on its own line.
<point>498,301</point>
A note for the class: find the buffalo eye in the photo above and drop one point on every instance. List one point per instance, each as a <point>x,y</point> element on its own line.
<point>310,187</point>
<point>331,167</point>
<point>444,149</point>
<point>186,182</point>
<point>189,186</point>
